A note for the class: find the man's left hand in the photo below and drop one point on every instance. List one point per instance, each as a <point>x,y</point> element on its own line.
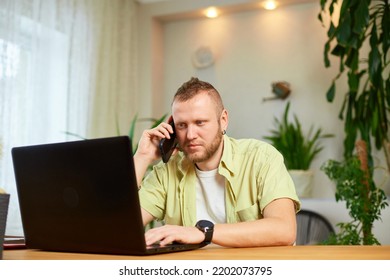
<point>170,233</point>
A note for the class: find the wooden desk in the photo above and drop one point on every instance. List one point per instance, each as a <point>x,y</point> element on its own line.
<point>212,252</point>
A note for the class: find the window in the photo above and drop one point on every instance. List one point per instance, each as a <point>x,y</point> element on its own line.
<point>33,96</point>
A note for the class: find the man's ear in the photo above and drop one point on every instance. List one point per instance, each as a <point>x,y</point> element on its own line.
<point>224,120</point>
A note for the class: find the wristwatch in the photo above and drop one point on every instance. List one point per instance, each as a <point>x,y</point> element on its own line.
<point>207,228</point>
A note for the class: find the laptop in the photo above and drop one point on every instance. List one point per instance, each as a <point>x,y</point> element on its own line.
<point>82,196</point>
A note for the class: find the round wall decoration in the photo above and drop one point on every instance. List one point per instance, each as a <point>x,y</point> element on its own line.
<point>203,57</point>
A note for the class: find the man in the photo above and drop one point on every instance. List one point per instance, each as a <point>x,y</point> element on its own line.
<point>239,190</point>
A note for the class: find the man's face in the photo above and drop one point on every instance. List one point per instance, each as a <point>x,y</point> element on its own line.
<point>198,128</point>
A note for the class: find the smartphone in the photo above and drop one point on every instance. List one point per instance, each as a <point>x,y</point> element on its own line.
<point>167,146</point>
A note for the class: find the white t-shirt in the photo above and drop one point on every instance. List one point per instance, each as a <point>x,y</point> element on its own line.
<point>210,196</point>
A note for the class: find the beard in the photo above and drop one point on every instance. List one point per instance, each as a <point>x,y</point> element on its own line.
<point>209,149</point>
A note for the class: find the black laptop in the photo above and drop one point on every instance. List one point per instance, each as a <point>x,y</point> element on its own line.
<point>82,196</point>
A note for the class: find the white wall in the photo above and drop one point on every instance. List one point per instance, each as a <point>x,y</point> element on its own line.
<point>253,48</point>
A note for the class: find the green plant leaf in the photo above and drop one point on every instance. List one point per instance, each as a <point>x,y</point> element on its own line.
<point>345,6</point>
<point>344,30</point>
<point>75,135</point>
<point>132,126</point>
<point>352,59</point>
<point>374,59</point>
<point>319,16</point>
<point>331,31</point>
<point>361,17</point>
<point>338,50</point>
<point>326,54</point>
<point>330,94</point>
<point>322,4</point>
<point>387,90</point>
<point>353,81</point>
<point>160,120</point>
<point>331,7</point>
<point>386,29</point>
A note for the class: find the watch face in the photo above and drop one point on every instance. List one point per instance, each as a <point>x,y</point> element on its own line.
<point>207,228</point>
<point>205,224</point>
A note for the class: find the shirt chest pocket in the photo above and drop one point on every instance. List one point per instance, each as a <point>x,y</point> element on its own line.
<point>251,213</point>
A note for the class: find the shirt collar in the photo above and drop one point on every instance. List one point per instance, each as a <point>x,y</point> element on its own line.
<point>226,165</point>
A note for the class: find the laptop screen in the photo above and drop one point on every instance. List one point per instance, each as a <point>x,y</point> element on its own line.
<point>80,196</point>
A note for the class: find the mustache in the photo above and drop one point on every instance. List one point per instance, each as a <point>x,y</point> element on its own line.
<point>188,143</point>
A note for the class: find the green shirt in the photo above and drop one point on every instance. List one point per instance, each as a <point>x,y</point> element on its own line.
<point>255,175</point>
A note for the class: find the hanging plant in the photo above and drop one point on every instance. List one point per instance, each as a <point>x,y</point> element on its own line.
<point>366,104</point>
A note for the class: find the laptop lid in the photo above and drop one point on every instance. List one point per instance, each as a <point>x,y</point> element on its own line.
<point>82,196</point>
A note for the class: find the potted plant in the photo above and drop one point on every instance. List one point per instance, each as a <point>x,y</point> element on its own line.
<point>299,150</point>
<point>363,199</point>
<point>363,26</point>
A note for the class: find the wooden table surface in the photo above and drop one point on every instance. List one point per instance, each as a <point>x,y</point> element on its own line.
<point>213,252</point>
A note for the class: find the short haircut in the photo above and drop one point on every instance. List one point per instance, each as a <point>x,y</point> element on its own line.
<point>194,87</point>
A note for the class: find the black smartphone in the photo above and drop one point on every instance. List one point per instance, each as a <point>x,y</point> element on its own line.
<point>167,146</point>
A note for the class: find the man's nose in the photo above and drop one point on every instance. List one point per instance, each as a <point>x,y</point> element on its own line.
<point>191,132</point>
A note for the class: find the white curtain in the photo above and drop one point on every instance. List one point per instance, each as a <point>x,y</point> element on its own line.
<point>65,66</point>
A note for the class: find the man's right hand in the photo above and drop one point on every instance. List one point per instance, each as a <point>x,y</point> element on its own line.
<point>148,151</point>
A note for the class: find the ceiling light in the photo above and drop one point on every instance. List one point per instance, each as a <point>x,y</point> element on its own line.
<point>270,4</point>
<point>211,12</point>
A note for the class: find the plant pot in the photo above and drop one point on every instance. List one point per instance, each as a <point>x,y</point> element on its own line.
<point>303,180</point>
<point>4,202</point>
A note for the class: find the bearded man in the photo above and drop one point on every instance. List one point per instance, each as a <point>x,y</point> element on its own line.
<point>214,188</point>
